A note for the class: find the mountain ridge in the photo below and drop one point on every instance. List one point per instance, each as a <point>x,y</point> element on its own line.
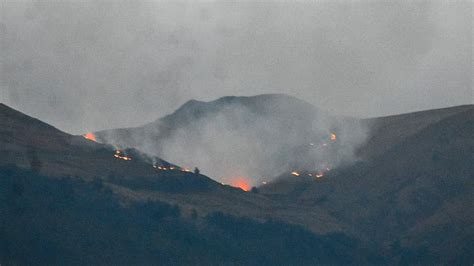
<point>401,201</point>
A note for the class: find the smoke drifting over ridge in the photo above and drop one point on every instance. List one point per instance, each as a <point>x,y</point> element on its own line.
<point>251,138</point>
<point>91,65</point>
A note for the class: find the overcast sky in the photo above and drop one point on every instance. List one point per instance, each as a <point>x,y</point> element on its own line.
<point>91,65</point>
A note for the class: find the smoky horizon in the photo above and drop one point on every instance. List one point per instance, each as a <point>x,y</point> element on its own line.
<point>94,65</point>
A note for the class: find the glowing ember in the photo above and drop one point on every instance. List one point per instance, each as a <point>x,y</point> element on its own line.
<point>319,175</point>
<point>172,168</point>
<point>118,154</point>
<point>333,137</point>
<point>241,183</point>
<point>185,170</point>
<point>295,173</point>
<point>90,136</point>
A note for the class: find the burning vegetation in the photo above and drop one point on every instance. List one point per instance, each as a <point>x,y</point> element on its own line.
<point>90,136</point>
<point>322,172</point>
<point>317,175</point>
<point>241,182</point>
<point>171,168</point>
<point>121,155</point>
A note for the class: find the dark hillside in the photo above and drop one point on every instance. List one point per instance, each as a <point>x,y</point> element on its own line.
<point>71,222</point>
<point>417,194</point>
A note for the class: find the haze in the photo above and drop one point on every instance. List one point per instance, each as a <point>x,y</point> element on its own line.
<point>91,65</point>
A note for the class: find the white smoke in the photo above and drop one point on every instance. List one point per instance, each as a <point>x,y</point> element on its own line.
<point>257,138</point>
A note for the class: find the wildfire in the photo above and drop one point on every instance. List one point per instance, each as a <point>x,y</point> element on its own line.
<point>241,183</point>
<point>118,154</point>
<point>160,168</point>
<point>295,173</point>
<point>319,174</point>
<point>185,170</point>
<point>90,136</point>
<point>333,137</point>
<point>171,168</point>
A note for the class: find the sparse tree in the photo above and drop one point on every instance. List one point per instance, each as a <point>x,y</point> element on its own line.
<point>196,171</point>
<point>254,190</point>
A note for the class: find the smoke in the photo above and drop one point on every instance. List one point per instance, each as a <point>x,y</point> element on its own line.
<point>90,65</point>
<point>255,138</point>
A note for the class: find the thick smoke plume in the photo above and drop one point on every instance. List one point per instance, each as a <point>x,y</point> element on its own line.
<point>92,64</point>
<point>255,138</point>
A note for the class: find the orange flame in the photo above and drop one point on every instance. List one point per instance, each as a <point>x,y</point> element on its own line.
<point>240,182</point>
<point>90,136</point>
<point>295,173</point>
<point>333,137</point>
<point>185,170</point>
<point>118,154</point>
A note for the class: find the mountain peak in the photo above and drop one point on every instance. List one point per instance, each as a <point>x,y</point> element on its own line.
<point>277,104</point>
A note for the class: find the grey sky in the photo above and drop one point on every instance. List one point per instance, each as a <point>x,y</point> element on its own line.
<point>91,65</point>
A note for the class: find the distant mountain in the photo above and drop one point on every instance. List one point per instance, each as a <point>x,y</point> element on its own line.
<point>253,137</point>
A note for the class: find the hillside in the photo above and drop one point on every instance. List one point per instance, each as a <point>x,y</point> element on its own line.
<point>31,144</point>
<point>407,198</point>
<point>415,191</point>
<point>386,132</point>
<point>70,174</point>
<point>410,180</point>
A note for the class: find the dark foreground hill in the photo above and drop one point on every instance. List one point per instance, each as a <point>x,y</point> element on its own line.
<point>69,221</point>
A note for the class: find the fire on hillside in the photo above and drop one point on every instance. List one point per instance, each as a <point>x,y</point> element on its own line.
<point>239,182</point>
<point>121,155</point>
<point>90,136</point>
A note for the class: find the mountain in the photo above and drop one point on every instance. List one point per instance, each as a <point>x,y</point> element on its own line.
<point>410,178</point>
<point>405,198</point>
<point>254,137</point>
<point>31,144</point>
<point>413,188</point>
<point>386,132</point>
<point>84,205</point>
